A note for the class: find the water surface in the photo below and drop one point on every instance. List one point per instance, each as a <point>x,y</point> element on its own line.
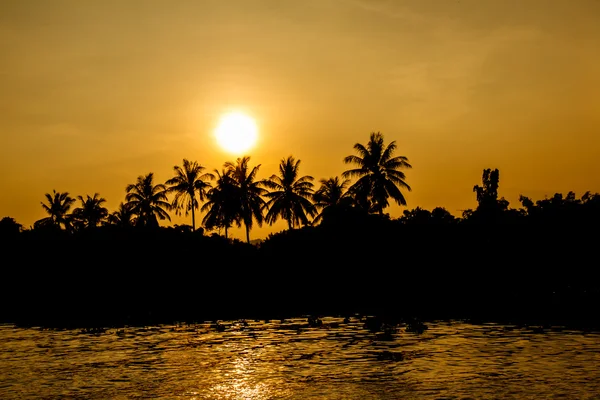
<point>291,360</point>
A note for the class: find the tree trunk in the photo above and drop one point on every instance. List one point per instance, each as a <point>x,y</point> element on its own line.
<point>193,219</point>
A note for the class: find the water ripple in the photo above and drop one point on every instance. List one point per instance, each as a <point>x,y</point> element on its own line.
<point>291,359</point>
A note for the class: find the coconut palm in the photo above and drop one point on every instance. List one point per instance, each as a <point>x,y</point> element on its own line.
<point>331,194</point>
<point>148,201</point>
<point>378,173</point>
<point>249,192</point>
<point>57,207</point>
<point>122,216</point>
<point>189,185</point>
<point>290,196</point>
<point>92,212</point>
<point>221,207</point>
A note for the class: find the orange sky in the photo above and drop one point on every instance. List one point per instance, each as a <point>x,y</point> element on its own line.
<point>96,93</point>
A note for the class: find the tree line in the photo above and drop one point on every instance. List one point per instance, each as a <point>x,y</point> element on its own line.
<point>236,196</point>
<point>341,252</point>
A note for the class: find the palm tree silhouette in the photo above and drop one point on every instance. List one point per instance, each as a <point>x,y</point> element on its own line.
<point>290,196</point>
<point>331,194</point>
<point>148,201</point>
<point>188,181</point>
<point>249,192</point>
<point>122,217</point>
<point>58,207</point>
<point>221,207</point>
<point>92,212</point>
<point>378,173</point>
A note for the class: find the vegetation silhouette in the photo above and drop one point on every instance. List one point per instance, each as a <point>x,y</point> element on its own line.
<point>57,208</point>
<point>378,173</point>
<point>340,254</point>
<point>221,206</point>
<point>9,228</point>
<point>332,196</point>
<point>91,212</point>
<point>148,201</point>
<point>248,193</point>
<point>290,196</point>
<point>188,181</point>
<point>122,217</point>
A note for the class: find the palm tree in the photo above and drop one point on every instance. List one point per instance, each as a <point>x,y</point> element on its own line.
<point>148,201</point>
<point>122,216</point>
<point>187,182</point>
<point>221,207</point>
<point>57,208</point>
<point>249,192</point>
<point>378,173</point>
<point>291,196</point>
<point>92,212</point>
<point>331,194</point>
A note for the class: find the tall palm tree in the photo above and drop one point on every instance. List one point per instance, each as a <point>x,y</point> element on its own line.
<point>57,207</point>
<point>148,201</point>
<point>331,194</point>
<point>249,192</point>
<point>188,181</point>
<point>378,173</point>
<point>122,216</point>
<point>290,196</point>
<point>92,212</point>
<point>221,208</point>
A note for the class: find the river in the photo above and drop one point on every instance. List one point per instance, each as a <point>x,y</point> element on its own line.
<point>290,359</point>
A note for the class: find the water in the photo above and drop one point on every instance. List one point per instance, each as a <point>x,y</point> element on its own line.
<point>290,360</point>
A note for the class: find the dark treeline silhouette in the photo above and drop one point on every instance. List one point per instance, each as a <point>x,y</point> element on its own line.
<point>341,254</point>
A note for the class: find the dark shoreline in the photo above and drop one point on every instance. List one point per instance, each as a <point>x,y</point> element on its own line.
<point>512,273</point>
<point>100,325</point>
<point>59,312</point>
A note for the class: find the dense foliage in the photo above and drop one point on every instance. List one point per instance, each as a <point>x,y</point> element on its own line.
<point>340,254</point>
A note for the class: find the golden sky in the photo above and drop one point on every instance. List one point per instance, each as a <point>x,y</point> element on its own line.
<point>94,93</point>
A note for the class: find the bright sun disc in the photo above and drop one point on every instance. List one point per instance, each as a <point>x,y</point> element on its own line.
<point>236,132</point>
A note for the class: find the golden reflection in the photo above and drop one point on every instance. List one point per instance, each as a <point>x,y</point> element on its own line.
<point>241,380</point>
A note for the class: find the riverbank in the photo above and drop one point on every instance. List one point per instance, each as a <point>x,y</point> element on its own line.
<point>164,302</point>
<point>514,273</point>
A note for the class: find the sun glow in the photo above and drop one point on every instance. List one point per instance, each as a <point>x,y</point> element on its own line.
<point>236,132</point>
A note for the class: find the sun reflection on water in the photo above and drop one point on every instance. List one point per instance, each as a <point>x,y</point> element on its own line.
<point>293,360</point>
<point>240,382</point>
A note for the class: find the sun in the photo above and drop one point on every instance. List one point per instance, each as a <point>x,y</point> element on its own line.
<point>236,132</point>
